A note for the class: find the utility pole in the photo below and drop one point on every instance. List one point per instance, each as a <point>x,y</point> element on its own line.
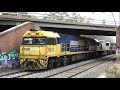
<point>118,39</point>
<point>119,18</point>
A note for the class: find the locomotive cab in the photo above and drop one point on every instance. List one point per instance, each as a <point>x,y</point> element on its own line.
<point>36,48</point>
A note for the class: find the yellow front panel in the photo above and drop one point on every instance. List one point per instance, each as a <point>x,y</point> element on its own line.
<point>32,50</point>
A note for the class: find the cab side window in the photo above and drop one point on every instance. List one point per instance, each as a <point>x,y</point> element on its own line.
<point>107,44</point>
<point>51,41</point>
<point>47,41</point>
<point>58,40</point>
<point>55,42</point>
<point>98,43</point>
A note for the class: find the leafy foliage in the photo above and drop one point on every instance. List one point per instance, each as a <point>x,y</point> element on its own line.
<point>112,72</point>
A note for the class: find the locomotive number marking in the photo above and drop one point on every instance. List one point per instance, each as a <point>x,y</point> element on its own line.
<point>51,49</point>
<point>26,49</point>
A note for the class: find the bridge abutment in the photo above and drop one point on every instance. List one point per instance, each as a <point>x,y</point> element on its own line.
<point>12,38</point>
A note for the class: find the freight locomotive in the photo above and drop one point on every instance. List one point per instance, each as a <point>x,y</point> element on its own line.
<point>47,49</point>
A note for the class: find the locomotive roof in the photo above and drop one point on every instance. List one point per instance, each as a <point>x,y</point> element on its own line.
<point>49,34</point>
<point>96,40</point>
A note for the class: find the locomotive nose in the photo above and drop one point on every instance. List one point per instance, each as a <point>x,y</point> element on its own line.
<point>30,50</point>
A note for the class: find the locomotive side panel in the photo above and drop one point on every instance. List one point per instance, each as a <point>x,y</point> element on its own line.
<point>71,43</point>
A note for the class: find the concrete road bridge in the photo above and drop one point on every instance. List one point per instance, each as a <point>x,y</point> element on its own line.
<point>75,26</point>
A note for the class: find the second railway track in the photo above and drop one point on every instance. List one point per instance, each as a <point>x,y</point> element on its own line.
<point>75,71</point>
<point>78,68</point>
<point>15,74</point>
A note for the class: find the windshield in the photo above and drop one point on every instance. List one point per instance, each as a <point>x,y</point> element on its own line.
<point>34,41</point>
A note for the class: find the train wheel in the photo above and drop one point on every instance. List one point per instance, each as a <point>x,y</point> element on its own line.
<point>65,61</point>
<point>50,63</point>
<point>58,64</point>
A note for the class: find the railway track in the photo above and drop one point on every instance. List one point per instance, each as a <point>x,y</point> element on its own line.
<point>76,68</point>
<point>80,69</point>
<point>11,72</point>
<point>17,74</point>
<point>67,73</point>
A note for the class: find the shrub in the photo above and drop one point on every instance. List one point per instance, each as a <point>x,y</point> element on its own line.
<point>112,72</point>
<point>118,57</point>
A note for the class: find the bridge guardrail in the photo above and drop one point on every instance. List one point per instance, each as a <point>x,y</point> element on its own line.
<point>81,20</point>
